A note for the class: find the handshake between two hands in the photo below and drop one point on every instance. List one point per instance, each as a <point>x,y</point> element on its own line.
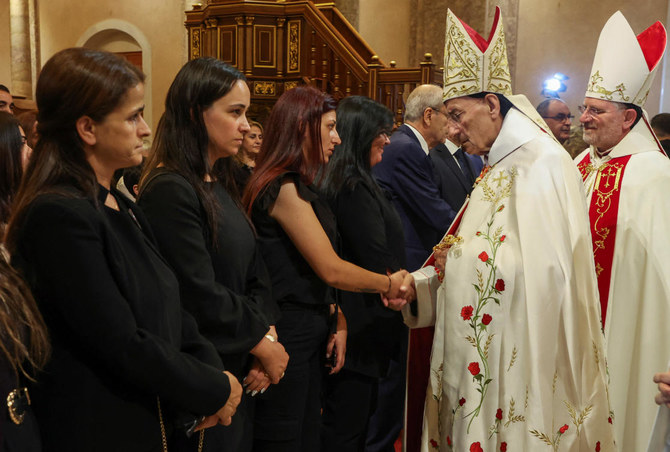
<point>401,291</point>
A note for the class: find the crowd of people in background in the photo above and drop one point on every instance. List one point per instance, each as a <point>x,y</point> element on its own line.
<point>238,285</point>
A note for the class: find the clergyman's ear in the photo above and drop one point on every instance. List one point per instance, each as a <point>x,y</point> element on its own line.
<point>493,104</point>
<point>86,128</point>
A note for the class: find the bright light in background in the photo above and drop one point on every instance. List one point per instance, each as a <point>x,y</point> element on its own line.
<point>554,85</point>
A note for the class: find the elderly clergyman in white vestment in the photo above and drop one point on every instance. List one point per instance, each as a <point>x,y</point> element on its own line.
<point>627,179</point>
<point>518,358</point>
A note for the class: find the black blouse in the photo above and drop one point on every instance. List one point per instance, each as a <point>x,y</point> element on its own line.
<point>371,236</point>
<point>293,280</point>
<point>224,286</point>
<point>119,335</point>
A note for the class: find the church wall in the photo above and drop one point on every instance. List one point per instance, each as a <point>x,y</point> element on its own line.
<point>5,58</point>
<point>63,22</point>
<point>387,30</point>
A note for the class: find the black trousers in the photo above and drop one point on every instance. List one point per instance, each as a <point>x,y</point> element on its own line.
<point>350,399</point>
<point>288,415</point>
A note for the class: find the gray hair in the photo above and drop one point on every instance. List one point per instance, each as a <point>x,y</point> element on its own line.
<point>423,96</point>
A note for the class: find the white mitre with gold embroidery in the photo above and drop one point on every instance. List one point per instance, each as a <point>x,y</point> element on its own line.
<point>624,65</point>
<point>473,65</point>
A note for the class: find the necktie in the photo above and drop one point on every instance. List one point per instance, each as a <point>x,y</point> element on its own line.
<point>465,165</point>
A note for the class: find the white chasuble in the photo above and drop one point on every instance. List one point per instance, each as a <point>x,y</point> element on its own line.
<point>637,330</point>
<point>518,356</point>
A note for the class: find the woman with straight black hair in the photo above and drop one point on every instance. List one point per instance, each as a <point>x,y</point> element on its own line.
<point>14,155</point>
<point>297,233</point>
<point>371,236</point>
<point>128,366</point>
<point>205,235</point>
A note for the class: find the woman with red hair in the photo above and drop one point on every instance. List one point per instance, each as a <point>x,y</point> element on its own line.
<point>297,234</point>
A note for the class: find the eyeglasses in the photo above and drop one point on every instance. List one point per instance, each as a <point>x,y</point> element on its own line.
<point>560,117</point>
<point>592,111</point>
<point>437,110</point>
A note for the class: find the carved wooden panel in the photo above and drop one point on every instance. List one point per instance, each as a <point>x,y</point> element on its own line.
<point>265,50</point>
<point>293,46</point>
<point>195,42</point>
<point>228,44</point>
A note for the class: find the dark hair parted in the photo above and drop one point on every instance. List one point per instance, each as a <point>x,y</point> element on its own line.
<point>360,120</point>
<point>24,340</point>
<point>505,104</point>
<point>11,144</point>
<point>74,83</point>
<point>291,141</point>
<point>181,142</point>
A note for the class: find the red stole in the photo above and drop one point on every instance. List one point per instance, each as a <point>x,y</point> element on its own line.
<point>603,218</point>
<point>418,366</point>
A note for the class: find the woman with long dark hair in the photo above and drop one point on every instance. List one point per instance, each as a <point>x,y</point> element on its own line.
<point>297,233</point>
<point>371,236</point>
<point>14,155</point>
<point>205,235</point>
<point>128,366</point>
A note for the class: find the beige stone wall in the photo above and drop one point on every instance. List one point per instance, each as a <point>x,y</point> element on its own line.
<point>63,23</point>
<point>386,29</point>
<point>561,36</point>
<point>5,49</point>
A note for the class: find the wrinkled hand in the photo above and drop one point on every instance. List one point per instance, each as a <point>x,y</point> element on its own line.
<point>225,414</point>
<point>257,380</point>
<point>440,259</point>
<point>337,343</point>
<point>663,381</point>
<point>272,357</point>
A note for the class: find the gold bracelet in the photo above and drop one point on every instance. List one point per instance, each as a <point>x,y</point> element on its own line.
<point>389,289</point>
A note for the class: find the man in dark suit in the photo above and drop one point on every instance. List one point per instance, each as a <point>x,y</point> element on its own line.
<point>406,173</point>
<point>455,170</point>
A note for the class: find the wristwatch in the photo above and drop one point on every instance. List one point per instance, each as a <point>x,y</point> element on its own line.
<point>271,338</point>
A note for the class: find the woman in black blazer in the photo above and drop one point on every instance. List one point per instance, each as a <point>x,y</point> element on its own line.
<point>128,365</point>
<point>371,236</point>
<point>206,237</point>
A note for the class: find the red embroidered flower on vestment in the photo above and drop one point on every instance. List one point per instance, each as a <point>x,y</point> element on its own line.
<point>478,233</point>
<point>563,429</point>
<point>502,238</point>
<point>499,414</point>
<point>503,447</point>
<point>449,440</point>
<point>609,419</point>
<point>462,401</point>
<point>486,319</point>
<point>466,312</point>
<point>476,447</point>
<point>502,206</point>
<point>433,443</point>
<point>483,256</point>
<point>500,285</point>
<point>598,446</point>
<point>474,368</point>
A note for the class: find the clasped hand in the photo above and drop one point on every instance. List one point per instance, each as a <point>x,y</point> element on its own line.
<point>401,291</point>
<point>225,414</point>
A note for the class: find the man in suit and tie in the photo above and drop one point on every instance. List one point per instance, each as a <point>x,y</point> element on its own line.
<point>406,173</point>
<point>455,169</point>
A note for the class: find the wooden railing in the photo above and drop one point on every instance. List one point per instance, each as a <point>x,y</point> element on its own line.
<point>281,44</point>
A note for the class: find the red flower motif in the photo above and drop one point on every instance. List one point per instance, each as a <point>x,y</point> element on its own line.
<point>500,285</point>
<point>449,440</point>
<point>499,414</point>
<point>462,401</point>
<point>483,256</point>
<point>433,443</point>
<point>503,447</point>
<point>478,234</point>
<point>486,319</point>
<point>476,447</point>
<point>563,429</point>
<point>474,368</point>
<point>502,238</point>
<point>598,446</point>
<point>502,206</point>
<point>609,419</point>
<point>466,312</point>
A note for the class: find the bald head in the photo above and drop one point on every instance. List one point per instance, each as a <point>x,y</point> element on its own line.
<point>424,110</point>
